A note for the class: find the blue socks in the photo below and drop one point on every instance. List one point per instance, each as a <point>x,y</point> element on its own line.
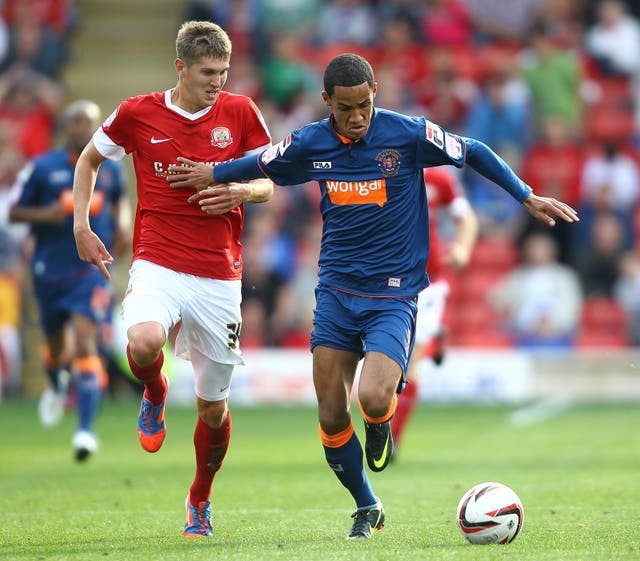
<point>346,462</point>
<point>89,392</point>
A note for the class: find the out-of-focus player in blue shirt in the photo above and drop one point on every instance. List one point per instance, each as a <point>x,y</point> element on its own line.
<point>369,165</point>
<point>73,296</point>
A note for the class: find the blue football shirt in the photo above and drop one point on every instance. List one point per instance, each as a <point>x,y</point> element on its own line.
<point>373,205</point>
<point>49,178</point>
<point>375,238</point>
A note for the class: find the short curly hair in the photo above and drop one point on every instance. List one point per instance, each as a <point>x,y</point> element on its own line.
<point>347,70</point>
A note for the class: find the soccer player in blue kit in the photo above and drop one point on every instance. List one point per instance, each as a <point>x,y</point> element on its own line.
<point>74,298</point>
<point>369,164</point>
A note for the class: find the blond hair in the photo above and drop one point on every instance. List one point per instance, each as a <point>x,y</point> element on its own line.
<point>197,39</point>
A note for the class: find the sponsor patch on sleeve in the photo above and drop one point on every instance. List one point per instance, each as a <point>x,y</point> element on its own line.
<point>435,135</point>
<point>453,146</point>
<point>276,150</point>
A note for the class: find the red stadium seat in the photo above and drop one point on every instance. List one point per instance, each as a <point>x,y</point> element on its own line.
<point>609,124</point>
<point>471,316</point>
<point>477,283</point>
<point>603,314</point>
<point>612,93</point>
<point>588,339</point>
<point>487,338</point>
<point>498,253</point>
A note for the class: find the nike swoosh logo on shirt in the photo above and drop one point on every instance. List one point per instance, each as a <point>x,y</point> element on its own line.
<point>380,461</point>
<point>155,140</point>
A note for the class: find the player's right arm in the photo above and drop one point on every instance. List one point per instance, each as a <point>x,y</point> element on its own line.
<point>89,245</point>
<point>30,188</point>
<point>465,235</point>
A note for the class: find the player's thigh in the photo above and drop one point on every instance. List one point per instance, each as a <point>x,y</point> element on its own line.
<point>389,329</point>
<point>431,303</point>
<point>333,374</point>
<point>54,315</point>
<point>154,294</point>
<point>212,378</point>
<point>85,334</point>
<point>211,320</point>
<point>334,324</point>
<point>379,380</point>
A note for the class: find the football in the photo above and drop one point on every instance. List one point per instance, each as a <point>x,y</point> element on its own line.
<point>490,513</point>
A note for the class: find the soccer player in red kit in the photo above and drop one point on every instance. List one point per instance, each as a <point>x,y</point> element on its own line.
<point>444,194</point>
<point>187,264</point>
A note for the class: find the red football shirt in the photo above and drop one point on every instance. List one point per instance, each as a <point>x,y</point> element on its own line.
<point>443,192</point>
<point>168,230</point>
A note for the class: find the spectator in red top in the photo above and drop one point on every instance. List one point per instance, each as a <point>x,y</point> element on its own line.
<point>401,54</point>
<point>554,166</point>
<point>447,23</point>
<point>28,102</point>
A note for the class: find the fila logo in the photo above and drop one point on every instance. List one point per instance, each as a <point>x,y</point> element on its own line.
<point>155,140</point>
<point>394,282</point>
<point>321,165</point>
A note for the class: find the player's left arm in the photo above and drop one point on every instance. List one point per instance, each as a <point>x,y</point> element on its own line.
<point>487,163</point>
<point>223,197</point>
<point>465,223</point>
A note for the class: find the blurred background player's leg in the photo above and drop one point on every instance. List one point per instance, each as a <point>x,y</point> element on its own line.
<point>88,377</point>
<point>56,360</point>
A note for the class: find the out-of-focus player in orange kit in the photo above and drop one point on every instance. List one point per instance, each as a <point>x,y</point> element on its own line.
<point>444,194</point>
<point>187,264</point>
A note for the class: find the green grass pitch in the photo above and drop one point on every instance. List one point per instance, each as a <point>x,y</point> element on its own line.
<point>577,473</point>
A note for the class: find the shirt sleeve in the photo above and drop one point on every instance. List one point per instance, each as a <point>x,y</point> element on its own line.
<point>487,163</point>
<point>256,131</point>
<point>436,147</point>
<point>29,186</point>
<point>113,140</point>
<point>282,163</point>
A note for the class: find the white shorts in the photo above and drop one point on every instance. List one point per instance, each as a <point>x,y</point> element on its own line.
<point>209,312</point>
<point>431,303</point>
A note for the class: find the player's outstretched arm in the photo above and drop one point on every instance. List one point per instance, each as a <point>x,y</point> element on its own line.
<point>486,162</point>
<point>223,197</point>
<point>545,208</point>
<point>89,245</point>
<point>190,175</point>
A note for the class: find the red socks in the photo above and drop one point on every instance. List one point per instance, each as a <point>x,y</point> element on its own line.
<point>155,385</point>
<point>406,402</point>
<point>211,446</point>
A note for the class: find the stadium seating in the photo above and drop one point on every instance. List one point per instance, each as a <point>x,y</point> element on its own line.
<point>604,324</point>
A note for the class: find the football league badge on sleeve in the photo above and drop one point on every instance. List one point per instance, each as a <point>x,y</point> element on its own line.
<point>389,162</point>
<point>221,137</point>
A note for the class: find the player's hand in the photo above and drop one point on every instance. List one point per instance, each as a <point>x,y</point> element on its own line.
<point>219,199</point>
<point>190,175</point>
<point>56,213</point>
<point>457,256</point>
<point>92,250</point>
<point>545,208</point>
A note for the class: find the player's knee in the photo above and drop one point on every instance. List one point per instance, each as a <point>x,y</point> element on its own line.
<point>375,403</point>
<point>145,345</point>
<point>212,413</point>
<point>332,421</point>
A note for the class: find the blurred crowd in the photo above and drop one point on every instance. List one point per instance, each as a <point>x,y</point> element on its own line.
<point>553,86</point>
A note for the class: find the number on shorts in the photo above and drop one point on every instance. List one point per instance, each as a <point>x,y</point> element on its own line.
<point>234,334</point>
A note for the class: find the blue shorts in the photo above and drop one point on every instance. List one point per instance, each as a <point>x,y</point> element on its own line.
<point>361,324</point>
<point>88,295</point>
